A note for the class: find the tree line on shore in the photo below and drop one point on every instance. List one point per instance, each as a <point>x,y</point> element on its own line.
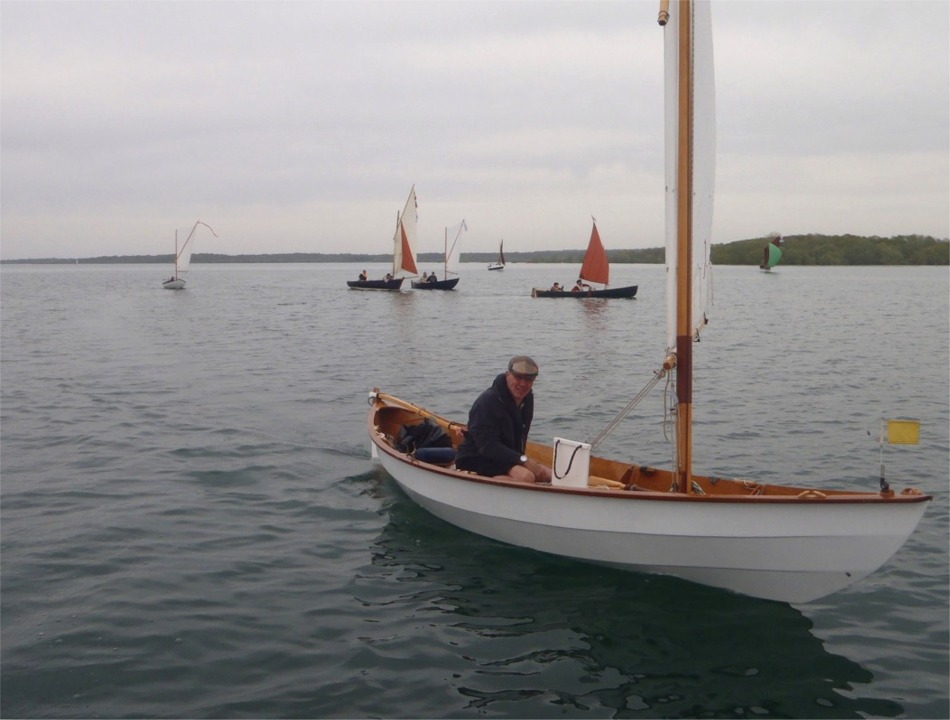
<point>810,249</point>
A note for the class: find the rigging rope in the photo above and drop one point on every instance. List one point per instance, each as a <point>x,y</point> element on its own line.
<point>612,425</point>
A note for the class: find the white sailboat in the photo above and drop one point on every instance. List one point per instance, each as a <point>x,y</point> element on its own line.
<point>780,542</point>
<point>404,251</point>
<point>450,262</point>
<point>183,255</point>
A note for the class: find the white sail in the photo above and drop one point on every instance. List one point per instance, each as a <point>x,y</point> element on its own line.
<point>185,241</point>
<point>184,247</point>
<point>404,240</point>
<point>453,249</point>
<point>703,163</point>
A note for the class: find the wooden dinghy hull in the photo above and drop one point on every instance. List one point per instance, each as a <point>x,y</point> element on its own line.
<point>790,544</point>
<point>622,292</point>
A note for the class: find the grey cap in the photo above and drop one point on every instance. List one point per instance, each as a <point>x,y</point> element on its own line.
<point>523,365</point>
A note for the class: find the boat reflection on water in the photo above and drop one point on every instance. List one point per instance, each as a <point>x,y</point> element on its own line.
<point>522,634</point>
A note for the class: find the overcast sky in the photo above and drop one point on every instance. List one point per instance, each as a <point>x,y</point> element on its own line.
<point>301,126</point>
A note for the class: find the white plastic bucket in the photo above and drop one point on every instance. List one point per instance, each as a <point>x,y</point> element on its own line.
<point>571,465</point>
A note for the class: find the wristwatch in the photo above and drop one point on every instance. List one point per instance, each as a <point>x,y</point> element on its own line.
<point>524,459</point>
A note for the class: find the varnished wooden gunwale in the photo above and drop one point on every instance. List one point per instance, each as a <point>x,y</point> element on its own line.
<point>626,480</point>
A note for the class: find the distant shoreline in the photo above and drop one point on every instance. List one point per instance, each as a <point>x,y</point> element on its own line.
<point>798,250</point>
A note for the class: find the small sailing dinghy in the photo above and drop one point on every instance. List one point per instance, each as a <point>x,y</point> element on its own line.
<point>595,269</point>
<point>451,259</point>
<point>772,253</point>
<point>404,251</point>
<point>183,255</point>
<point>790,543</point>
<point>500,264</point>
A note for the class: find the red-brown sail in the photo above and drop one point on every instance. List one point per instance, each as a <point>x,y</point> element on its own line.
<point>408,256</point>
<point>595,268</point>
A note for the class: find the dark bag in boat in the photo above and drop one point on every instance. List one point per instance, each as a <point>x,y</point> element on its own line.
<point>426,434</point>
<point>436,455</point>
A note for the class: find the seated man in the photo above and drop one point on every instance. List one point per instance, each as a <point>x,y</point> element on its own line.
<point>432,278</point>
<point>580,286</point>
<point>556,287</point>
<point>498,426</point>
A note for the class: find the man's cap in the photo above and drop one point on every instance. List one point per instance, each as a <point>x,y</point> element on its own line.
<point>523,365</point>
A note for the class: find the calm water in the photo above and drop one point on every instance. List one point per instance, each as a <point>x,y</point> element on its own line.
<point>192,525</point>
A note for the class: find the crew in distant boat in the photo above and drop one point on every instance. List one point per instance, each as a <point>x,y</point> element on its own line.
<point>425,277</point>
<point>498,426</point>
<point>432,278</point>
<point>364,276</point>
<point>171,279</point>
<point>556,287</point>
<point>389,276</point>
<point>580,286</point>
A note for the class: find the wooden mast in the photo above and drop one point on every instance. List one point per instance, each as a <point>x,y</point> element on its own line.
<point>683,354</point>
<point>684,211</point>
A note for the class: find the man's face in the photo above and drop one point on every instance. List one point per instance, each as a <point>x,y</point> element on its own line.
<point>519,385</point>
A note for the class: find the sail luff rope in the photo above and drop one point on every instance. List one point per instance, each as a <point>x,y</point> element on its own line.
<point>612,425</point>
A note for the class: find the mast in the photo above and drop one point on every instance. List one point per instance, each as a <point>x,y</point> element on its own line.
<point>396,241</point>
<point>684,319</point>
<point>682,355</point>
<point>445,256</point>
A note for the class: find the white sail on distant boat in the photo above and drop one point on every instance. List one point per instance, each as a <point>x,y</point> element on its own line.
<point>791,543</point>
<point>500,263</point>
<point>184,248</point>
<point>404,251</point>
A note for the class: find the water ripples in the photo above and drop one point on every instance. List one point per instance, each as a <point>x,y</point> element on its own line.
<point>191,524</point>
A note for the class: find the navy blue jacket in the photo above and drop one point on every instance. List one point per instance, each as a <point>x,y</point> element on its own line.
<point>497,428</point>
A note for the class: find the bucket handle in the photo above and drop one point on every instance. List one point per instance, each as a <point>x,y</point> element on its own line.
<point>569,462</point>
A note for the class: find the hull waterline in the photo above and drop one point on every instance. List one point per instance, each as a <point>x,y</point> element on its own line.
<point>395,284</point>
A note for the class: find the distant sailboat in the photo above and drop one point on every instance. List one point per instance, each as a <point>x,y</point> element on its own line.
<point>772,253</point>
<point>183,256</point>
<point>595,269</point>
<point>500,265</point>
<point>404,253</point>
<point>450,263</point>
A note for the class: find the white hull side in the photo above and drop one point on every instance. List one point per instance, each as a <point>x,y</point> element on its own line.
<point>789,552</point>
<point>174,285</point>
